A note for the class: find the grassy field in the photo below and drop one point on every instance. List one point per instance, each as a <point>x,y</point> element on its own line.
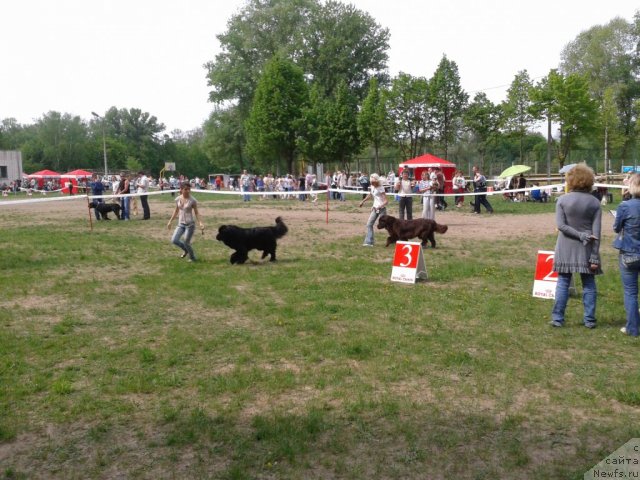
<point>119,360</point>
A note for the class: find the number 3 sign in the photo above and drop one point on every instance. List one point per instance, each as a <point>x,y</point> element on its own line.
<point>408,262</point>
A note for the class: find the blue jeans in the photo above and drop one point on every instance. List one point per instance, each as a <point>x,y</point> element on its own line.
<point>186,245</point>
<point>589,295</point>
<point>246,198</point>
<point>372,220</point>
<point>124,203</point>
<point>98,200</point>
<point>629,276</point>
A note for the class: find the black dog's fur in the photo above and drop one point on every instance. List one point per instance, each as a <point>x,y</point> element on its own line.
<point>104,208</point>
<point>242,240</point>
<point>408,229</point>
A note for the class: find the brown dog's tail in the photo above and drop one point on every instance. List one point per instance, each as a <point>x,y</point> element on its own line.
<point>441,228</point>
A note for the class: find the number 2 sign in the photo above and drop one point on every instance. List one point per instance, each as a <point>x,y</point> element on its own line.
<point>545,280</point>
<point>408,262</point>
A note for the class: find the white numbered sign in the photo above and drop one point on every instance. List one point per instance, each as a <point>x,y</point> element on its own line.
<point>408,262</point>
<point>545,280</point>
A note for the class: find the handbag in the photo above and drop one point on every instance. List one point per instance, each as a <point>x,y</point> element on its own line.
<point>631,260</point>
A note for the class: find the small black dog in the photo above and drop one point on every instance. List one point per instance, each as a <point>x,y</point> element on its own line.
<point>242,240</point>
<point>104,208</point>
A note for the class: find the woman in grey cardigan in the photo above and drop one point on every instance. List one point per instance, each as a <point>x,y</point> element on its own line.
<point>578,218</point>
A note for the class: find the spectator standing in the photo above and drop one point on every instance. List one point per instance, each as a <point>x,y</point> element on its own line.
<point>480,186</point>
<point>342,183</point>
<point>404,187</point>
<point>124,188</point>
<point>260,184</point>
<point>459,187</point>
<point>441,203</point>
<point>522,183</point>
<point>627,226</point>
<point>363,180</point>
<point>578,219</point>
<point>143,190</point>
<point>97,189</point>
<point>245,183</point>
<point>425,187</point>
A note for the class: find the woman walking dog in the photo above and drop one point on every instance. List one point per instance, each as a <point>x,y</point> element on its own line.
<point>186,207</point>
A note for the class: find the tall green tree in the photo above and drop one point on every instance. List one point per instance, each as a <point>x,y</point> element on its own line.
<point>482,119</point>
<point>609,56</point>
<point>332,42</point>
<point>12,134</point>
<point>260,30</point>
<point>576,111</point>
<point>312,141</point>
<point>518,117</point>
<point>224,140</point>
<point>343,44</point>
<point>544,100</point>
<point>373,122</point>
<point>448,101</point>
<point>340,129</point>
<point>63,140</point>
<point>130,134</point>
<point>409,113</point>
<point>609,134</point>
<point>277,108</point>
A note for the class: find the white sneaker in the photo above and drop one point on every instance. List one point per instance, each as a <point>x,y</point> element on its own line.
<point>624,330</point>
<point>367,245</point>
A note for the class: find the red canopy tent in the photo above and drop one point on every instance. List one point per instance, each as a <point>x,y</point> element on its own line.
<point>42,174</point>
<point>73,177</point>
<point>427,160</point>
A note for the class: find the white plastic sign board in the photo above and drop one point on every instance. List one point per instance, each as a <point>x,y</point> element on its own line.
<point>545,280</point>
<point>408,262</point>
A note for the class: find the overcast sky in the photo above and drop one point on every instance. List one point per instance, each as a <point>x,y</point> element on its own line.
<point>79,56</point>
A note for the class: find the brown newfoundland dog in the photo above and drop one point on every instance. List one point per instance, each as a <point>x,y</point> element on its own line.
<point>408,229</point>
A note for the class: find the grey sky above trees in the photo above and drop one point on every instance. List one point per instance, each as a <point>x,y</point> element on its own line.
<point>76,56</point>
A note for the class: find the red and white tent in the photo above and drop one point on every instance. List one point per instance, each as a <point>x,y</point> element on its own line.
<point>44,174</point>
<point>41,175</point>
<point>73,177</point>
<point>426,161</point>
<point>77,174</point>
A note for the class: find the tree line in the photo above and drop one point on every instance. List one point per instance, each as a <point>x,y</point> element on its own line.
<point>302,82</point>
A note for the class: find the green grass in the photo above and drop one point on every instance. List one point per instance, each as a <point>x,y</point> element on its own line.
<point>119,360</point>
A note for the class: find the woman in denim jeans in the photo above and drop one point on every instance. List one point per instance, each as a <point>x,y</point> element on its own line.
<point>186,207</point>
<point>376,191</point>
<point>627,226</point>
<point>578,218</point>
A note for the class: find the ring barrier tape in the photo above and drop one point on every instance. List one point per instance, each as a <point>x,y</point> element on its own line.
<point>557,187</point>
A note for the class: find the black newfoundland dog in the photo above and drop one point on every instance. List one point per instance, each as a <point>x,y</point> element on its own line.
<point>103,209</point>
<point>407,229</point>
<point>242,240</point>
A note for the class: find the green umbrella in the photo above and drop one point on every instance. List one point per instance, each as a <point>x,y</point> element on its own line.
<point>514,170</point>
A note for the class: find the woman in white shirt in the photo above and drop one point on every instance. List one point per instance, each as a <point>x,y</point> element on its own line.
<point>187,212</point>
<point>459,186</point>
<point>380,201</point>
<point>425,187</point>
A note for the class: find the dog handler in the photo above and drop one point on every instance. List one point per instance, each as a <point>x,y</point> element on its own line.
<point>376,191</point>
<point>186,207</point>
